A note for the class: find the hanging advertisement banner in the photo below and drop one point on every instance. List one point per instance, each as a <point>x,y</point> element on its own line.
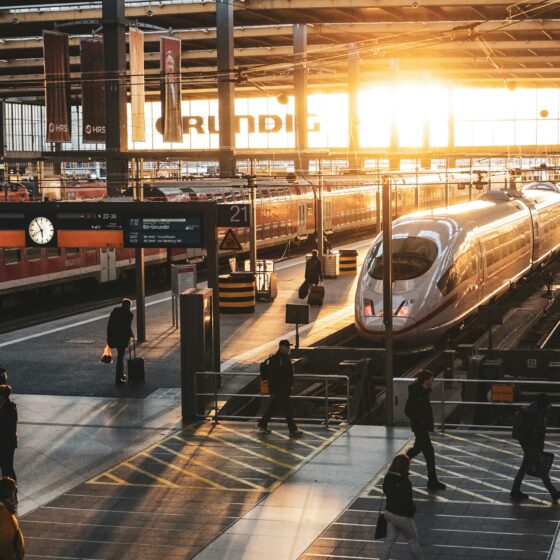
<point>57,86</point>
<point>170,61</point>
<point>136,39</point>
<point>93,90</point>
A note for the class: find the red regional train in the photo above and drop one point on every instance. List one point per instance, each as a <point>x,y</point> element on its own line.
<point>286,212</point>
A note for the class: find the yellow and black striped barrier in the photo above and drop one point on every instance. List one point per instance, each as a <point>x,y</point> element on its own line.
<point>237,293</point>
<point>348,262</point>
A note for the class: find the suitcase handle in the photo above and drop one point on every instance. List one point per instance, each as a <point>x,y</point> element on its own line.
<point>133,347</point>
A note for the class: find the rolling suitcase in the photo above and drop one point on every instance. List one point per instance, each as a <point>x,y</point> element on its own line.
<point>135,366</point>
<point>316,295</point>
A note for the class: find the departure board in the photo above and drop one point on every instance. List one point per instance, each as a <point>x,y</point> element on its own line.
<point>164,232</point>
<point>88,221</point>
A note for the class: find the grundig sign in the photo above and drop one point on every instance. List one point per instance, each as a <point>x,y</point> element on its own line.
<point>261,123</point>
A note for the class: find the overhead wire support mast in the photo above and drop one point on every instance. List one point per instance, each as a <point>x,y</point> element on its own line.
<point>388,299</point>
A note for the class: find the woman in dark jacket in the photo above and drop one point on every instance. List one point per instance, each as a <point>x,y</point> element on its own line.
<point>400,508</point>
<point>8,432</point>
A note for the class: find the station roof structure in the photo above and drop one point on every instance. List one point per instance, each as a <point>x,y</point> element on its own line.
<point>471,42</point>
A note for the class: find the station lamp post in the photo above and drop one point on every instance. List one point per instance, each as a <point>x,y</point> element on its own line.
<point>252,184</point>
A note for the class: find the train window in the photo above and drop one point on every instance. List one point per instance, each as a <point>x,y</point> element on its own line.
<point>90,249</point>
<point>33,253</point>
<point>412,257</point>
<point>72,251</point>
<point>309,209</point>
<point>53,252</point>
<point>12,256</point>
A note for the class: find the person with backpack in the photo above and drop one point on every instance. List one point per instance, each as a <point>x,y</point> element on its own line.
<point>529,429</point>
<point>419,409</point>
<point>278,370</point>
<point>119,333</point>
<point>12,543</point>
<point>8,432</point>
<point>399,509</point>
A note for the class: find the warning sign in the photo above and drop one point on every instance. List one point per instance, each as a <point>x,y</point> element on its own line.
<point>230,242</point>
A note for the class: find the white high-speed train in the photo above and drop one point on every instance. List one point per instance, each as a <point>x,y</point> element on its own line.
<point>448,261</point>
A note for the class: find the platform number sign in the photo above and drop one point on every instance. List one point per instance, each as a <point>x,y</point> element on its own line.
<point>234,215</point>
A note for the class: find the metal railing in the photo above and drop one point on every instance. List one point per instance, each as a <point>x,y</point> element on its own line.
<point>448,402</point>
<point>215,414</point>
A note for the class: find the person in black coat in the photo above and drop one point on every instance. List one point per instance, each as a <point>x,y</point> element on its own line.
<point>119,333</point>
<point>313,269</point>
<point>280,382</point>
<point>419,409</point>
<point>532,434</point>
<point>8,432</point>
<point>399,508</point>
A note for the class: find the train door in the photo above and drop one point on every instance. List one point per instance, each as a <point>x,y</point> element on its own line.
<point>327,219</point>
<point>302,215</point>
<point>107,265</point>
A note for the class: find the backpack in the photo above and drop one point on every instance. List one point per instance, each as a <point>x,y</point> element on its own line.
<point>264,369</point>
<point>518,421</point>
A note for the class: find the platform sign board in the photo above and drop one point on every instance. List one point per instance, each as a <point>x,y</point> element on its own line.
<point>103,225</point>
<point>234,215</point>
<point>164,231</point>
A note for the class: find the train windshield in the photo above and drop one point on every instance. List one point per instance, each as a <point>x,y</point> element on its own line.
<point>412,257</point>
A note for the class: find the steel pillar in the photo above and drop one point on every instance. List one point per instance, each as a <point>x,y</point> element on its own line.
<point>114,37</point>
<point>140,267</point>
<point>226,86</point>
<point>3,163</point>
<point>451,129</point>
<point>353,109</point>
<point>388,299</point>
<point>252,184</point>
<point>300,93</point>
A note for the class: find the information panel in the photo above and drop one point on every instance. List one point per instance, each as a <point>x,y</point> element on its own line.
<point>164,232</point>
<point>104,225</point>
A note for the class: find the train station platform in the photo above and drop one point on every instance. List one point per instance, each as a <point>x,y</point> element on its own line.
<point>69,349</point>
<point>225,491</point>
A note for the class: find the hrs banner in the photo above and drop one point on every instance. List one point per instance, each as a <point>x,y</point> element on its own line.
<point>55,47</point>
<point>93,90</point>
<point>171,89</point>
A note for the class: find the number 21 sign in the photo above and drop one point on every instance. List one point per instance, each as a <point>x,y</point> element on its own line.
<point>234,215</point>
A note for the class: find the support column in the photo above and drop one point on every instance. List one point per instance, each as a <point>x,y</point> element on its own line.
<point>451,129</point>
<point>300,93</point>
<point>394,159</point>
<point>355,162</point>
<point>425,160</point>
<point>114,37</point>
<point>140,265</point>
<point>3,147</point>
<point>226,86</point>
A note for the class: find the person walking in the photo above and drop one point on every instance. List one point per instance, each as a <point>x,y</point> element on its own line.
<point>549,284</point>
<point>419,409</point>
<point>8,432</point>
<point>280,377</point>
<point>12,543</point>
<point>119,333</point>
<point>399,509</point>
<point>531,436</point>
<point>313,269</point>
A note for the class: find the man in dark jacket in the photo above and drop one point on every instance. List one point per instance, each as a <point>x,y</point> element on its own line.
<point>119,333</point>
<point>313,269</point>
<point>280,382</point>
<point>531,437</point>
<point>419,409</point>
<point>8,432</point>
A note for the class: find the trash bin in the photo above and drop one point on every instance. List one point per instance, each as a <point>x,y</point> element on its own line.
<point>237,293</point>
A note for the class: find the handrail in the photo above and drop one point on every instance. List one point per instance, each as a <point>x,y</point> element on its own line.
<point>443,402</point>
<point>327,399</point>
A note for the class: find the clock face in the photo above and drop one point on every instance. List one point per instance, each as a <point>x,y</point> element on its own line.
<point>41,230</point>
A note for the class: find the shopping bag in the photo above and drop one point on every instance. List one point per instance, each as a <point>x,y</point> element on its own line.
<point>303,290</point>
<point>381,527</point>
<point>107,357</point>
<point>548,459</point>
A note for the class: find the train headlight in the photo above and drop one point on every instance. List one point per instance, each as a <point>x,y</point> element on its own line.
<point>369,310</point>
<point>403,309</point>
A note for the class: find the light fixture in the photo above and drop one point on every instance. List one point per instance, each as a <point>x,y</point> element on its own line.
<point>512,86</point>
<point>282,98</point>
<point>544,113</point>
<point>149,13</point>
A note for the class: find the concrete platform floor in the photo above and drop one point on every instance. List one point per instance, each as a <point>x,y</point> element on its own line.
<point>473,519</point>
